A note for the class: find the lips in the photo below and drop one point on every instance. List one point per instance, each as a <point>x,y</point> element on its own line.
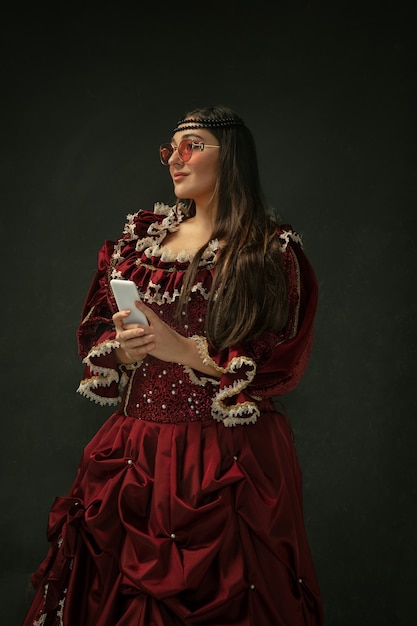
<point>177,176</point>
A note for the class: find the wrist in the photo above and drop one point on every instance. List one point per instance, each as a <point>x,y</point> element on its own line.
<point>126,359</point>
<point>197,361</point>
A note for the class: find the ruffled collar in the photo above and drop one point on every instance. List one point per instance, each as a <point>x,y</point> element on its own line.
<point>152,244</point>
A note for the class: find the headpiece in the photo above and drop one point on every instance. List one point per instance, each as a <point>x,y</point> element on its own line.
<point>208,122</point>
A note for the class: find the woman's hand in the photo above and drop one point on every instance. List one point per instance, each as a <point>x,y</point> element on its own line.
<point>158,340</point>
<point>134,342</point>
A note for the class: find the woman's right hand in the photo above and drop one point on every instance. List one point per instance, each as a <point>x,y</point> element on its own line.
<point>134,342</point>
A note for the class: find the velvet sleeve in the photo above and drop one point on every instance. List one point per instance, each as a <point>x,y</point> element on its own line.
<point>273,364</point>
<point>102,381</point>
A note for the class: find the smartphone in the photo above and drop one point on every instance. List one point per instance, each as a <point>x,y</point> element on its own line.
<point>125,293</point>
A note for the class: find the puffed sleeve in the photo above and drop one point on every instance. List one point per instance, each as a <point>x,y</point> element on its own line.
<point>273,364</point>
<point>102,381</point>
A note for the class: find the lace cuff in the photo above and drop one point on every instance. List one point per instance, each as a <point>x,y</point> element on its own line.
<point>231,404</point>
<point>102,382</point>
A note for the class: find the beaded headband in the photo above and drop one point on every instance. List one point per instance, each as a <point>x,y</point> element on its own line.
<point>208,122</point>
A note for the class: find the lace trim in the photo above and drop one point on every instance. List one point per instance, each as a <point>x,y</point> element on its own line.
<point>156,233</point>
<point>201,290</point>
<point>236,414</point>
<point>89,314</point>
<point>244,412</point>
<point>161,208</point>
<point>87,386</point>
<point>153,295</point>
<point>99,350</point>
<point>202,346</point>
<point>298,286</point>
<point>102,376</point>
<point>41,620</point>
<point>286,235</point>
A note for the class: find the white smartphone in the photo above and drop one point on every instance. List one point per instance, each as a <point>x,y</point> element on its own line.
<point>125,293</point>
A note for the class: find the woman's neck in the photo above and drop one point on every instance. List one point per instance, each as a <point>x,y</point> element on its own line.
<point>205,217</point>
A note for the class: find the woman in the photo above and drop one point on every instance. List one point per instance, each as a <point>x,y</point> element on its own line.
<point>187,507</point>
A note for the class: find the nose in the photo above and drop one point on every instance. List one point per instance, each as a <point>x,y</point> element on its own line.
<point>174,158</point>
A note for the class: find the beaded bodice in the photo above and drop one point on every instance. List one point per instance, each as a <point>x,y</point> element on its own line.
<point>160,391</point>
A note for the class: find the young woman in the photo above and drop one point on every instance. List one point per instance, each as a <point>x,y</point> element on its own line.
<point>187,504</point>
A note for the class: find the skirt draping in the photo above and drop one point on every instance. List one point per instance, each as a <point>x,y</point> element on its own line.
<point>185,523</point>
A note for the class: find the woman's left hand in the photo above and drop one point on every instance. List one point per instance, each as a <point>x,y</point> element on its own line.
<point>157,339</point>
<point>166,343</point>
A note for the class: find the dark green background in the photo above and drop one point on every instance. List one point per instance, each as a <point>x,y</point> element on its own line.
<point>329,92</point>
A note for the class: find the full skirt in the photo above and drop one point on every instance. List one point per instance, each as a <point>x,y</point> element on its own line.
<point>180,524</point>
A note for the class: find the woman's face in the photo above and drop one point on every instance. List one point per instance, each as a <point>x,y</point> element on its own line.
<point>196,178</point>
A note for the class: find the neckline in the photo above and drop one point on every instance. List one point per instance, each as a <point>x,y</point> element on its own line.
<point>159,231</point>
<point>166,254</point>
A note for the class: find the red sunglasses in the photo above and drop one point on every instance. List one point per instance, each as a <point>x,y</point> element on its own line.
<point>185,150</point>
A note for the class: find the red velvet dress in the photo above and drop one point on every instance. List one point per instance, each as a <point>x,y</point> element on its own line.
<point>187,504</point>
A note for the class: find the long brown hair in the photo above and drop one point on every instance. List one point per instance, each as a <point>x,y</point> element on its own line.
<point>249,291</point>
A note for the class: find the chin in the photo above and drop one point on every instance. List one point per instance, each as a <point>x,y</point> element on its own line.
<point>180,194</point>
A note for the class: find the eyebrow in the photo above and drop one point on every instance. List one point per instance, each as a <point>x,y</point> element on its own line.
<point>188,135</point>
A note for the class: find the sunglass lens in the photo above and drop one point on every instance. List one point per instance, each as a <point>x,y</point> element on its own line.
<point>185,150</point>
<point>165,152</point>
